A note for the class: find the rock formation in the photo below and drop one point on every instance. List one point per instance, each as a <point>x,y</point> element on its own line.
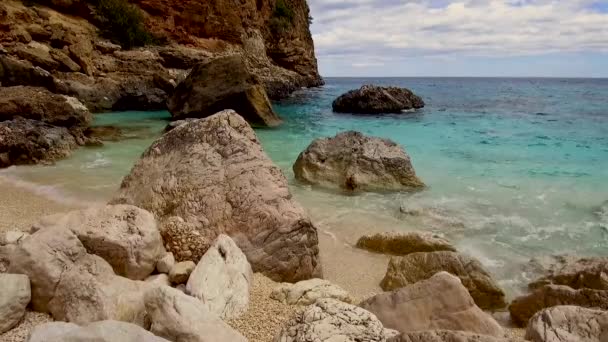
<point>409,269</point>
<point>371,99</point>
<point>404,243</point>
<point>14,297</point>
<point>354,162</point>
<point>211,176</point>
<point>440,302</point>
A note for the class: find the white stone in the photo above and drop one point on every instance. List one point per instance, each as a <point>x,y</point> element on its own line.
<point>307,292</point>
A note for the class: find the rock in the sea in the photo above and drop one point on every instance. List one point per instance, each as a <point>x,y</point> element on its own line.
<point>409,269</point>
<point>24,141</point>
<point>404,243</point>
<point>212,176</point>
<point>42,105</point>
<point>307,292</point>
<point>448,336</point>
<point>125,236</point>
<point>181,271</point>
<point>524,307</point>
<point>568,323</point>
<point>440,302</point>
<point>15,295</point>
<point>576,273</point>
<point>219,84</point>
<point>73,285</point>
<point>181,318</point>
<point>332,320</point>
<point>221,279</point>
<point>354,162</point>
<point>166,263</point>
<point>371,99</point>
<point>102,331</point>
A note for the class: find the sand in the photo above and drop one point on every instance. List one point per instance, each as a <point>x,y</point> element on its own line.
<point>357,271</point>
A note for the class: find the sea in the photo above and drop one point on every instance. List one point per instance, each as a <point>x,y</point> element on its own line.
<point>516,168</point>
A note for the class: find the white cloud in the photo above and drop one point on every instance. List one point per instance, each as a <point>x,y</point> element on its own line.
<point>369,32</point>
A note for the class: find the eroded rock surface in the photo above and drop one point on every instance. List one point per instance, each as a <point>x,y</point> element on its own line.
<point>211,176</point>
<point>568,323</point>
<point>409,269</point>
<point>102,331</point>
<point>307,292</point>
<point>448,336</point>
<point>354,162</point>
<point>15,295</point>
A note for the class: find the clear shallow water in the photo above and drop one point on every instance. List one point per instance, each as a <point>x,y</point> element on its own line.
<point>516,167</point>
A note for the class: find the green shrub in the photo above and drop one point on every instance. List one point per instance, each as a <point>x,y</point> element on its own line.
<point>123,23</point>
<point>282,17</point>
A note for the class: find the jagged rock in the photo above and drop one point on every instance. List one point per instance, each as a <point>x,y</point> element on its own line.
<point>354,162</point>
<point>222,83</point>
<point>166,263</point>
<point>38,54</point>
<point>222,279</point>
<point>40,104</point>
<point>440,302</point>
<point>208,177</point>
<point>404,243</point>
<point>12,237</point>
<point>73,285</point>
<point>65,62</point>
<point>181,271</point>
<point>14,297</point>
<point>102,331</point>
<point>181,318</point>
<point>181,57</point>
<point>568,323</point>
<point>409,269</point>
<point>104,46</point>
<point>171,125</point>
<point>24,141</point>
<point>524,307</point>
<point>332,320</point>
<point>38,32</point>
<point>81,52</point>
<point>307,292</point>
<point>371,99</point>
<point>448,336</point>
<point>576,273</point>
<point>17,72</point>
<point>125,236</point>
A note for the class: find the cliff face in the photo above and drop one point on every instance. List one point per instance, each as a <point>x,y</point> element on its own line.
<point>64,40</point>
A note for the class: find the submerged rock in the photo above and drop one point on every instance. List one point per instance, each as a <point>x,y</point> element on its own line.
<point>211,176</point>
<point>409,269</point>
<point>222,83</point>
<point>370,99</point>
<point>403,243</point>
<point>24,141</point>
<point>440,302</point>
<point>568,323</point>
<point>354,162</point>
<point>332,320</point>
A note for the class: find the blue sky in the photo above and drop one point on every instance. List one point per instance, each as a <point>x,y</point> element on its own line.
<point>518,38</point>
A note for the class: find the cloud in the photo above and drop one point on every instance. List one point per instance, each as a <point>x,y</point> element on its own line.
<point>368,32</point>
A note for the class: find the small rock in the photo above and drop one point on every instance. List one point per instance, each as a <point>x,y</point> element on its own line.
<point>409,269</point>
<point>568,323</point>
<point>101,331</point>
<point>179,317</point>
<point>371,99</point>
<point>307,292</point>
<point>12,237</point>
<point>440,302</point>
<point>331,320</point>
<point>181,271</point>
<point>15,295</point>
<point>104,46</point>
<point>222,279</point>
<point>166,263</point>
<point>404,243</point>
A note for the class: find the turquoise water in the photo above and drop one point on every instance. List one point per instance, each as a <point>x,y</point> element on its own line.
<point>516,167</point>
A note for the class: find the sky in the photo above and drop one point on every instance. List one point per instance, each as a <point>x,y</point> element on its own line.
<point>505,38</point>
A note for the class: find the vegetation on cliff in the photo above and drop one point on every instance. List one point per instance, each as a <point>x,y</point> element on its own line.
<point>124,23</point>
<point>282,17</point>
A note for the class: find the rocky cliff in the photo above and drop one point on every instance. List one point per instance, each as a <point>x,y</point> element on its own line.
<point>58,44</point>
